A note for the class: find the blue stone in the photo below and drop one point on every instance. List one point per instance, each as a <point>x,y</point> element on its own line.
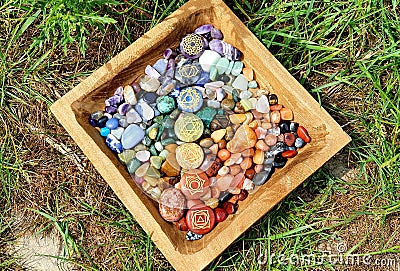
<point>112,123</point>
<point>93,122</point>
<point>104,131</point>
<point>190,100</point>
<point>299,143</point>
<point>132,136</point>
<point>204,78</point>
<point>114,144</point>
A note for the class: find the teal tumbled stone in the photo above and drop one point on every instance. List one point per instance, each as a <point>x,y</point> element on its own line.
<point>237,68</point>
<point>133,165</point>
<point>252,84</point>
<point>229,69</point>
<point>213,73</point>
<point>207,114</point>
<point>168,123</point>
<point>165,104</point>
<point>222,65</point>
<point>167,141</point>
<point>146,141</point>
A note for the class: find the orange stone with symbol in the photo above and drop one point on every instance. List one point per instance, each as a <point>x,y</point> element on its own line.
<point>200,219</point>
<point>194,184</point>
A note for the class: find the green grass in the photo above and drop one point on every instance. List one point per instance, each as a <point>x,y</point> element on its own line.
<point>346,53</point>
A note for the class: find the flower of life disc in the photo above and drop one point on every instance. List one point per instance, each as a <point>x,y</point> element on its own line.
<point>189,127</point>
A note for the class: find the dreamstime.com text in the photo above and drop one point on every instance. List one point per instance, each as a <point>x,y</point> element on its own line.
<point>381,262</point>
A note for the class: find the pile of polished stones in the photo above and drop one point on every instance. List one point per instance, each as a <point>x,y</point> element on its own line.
<point>196,132</point>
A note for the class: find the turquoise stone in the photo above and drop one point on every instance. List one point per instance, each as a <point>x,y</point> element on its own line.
<point>104,131</point>
<point>252,84</point>
<point>165,104</point>
<point>222,65</point>
<point>237,68</point>
<point>229,69</point>
<point>207,114</point>
<point>133,165</point>
<point>213,73</point>
<point>190,99</point>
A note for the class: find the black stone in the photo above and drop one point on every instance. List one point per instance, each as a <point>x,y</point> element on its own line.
<point>150,97</point>
<point>293,127</point>
<point>280,159</point>
<point>224,196</point>
<point>93,122</point>
<point>284,127</point>
<point>235,96</point>
<point>102,122</point>
<point>273,99</point>
<point>224,78</point>
<point>279,165</point>
<point>292,148</point>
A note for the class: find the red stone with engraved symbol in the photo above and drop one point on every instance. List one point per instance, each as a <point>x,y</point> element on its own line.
<point>200,219</point>
<point>194,184</point>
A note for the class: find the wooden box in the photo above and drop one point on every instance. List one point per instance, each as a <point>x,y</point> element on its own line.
<point>74,108</point>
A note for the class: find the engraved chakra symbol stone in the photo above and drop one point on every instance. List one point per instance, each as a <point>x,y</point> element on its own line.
<point>189,73</point>
<point>194,184</point>
<point>200,219</point>
<point>192,45</point>
<point>190,100</point>
<point>189,127</point>
<point>189,155</point>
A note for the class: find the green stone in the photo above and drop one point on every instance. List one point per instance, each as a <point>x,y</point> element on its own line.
<point>146,141</point>
<point>153,172</point>
<point>229,69</point>
<point>156,161</point>
<point>163,154</point>
<point>235,95</point>
<point>252,84</point>
<point>174,114</point>
<point>167,141</point>
<point>160,132</point>
<point>159,119</point>
<point>165,104</point>
<point>168,122</point>
<point>152,181</point>
<point>221,111</point>
<point>126,156</point>
<point>237,68</point>
<point>222,65</point>
<point>153,150</point>
<point>246,104</point>
<point>133,165</point>
<point>207,114</point>
<point>213,73</point>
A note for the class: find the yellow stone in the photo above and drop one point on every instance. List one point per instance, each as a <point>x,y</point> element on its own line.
<point>258,157</point>
<point>153,133</point>
<point>189,155</point>
<point>189,127</point>
<point>237,118</point>
<point>218,135</point>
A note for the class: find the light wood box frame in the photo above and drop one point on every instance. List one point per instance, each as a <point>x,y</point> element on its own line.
<point>73,111</point>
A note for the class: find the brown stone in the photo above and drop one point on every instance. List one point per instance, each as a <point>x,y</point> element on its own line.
<point>194,184</point>
<point>171,148</point>
<point>172,204</point>
<point>213,169</point>
<point>270,140</point>
<point>235,169</point>
<point>246,163</point>
<point>261,145</point>
<point>171,167</point>
<point>289,139</point>
<point>286,114</point>
<point>220,214</point>
<point>244,138</point>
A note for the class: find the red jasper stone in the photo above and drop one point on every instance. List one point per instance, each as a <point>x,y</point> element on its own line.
<point>181,224</point>
<point>243,195</point>
<point>303,134</point>
<point>289,139</point>
<point>250,173</point>
<point>289,154</point>
<point>220,214</point>
<point>230,207</point>
<point>215,166</point>
<point>200,219</point>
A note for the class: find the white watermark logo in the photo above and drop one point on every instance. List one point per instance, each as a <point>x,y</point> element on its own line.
<point>337,255</point>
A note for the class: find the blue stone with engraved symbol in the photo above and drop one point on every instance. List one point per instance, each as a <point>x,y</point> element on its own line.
<point>190,100</point>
